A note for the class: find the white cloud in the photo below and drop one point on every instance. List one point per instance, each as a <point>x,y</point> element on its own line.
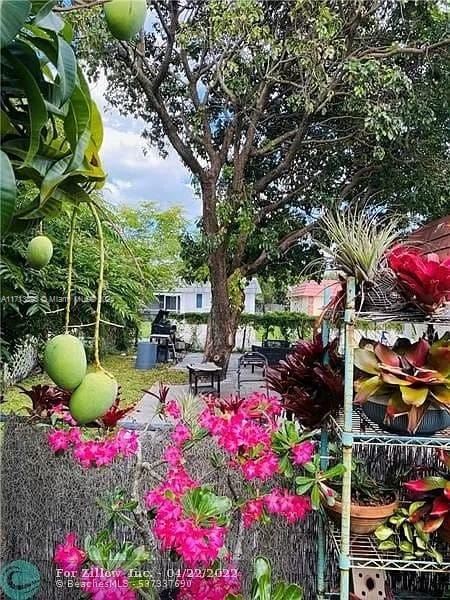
<point>133,176</point>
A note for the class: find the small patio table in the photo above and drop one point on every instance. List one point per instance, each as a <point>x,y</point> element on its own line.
<point>211,370</point>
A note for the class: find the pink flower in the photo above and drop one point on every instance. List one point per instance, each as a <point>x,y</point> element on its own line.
<point>59,440</point>
<point>303,452</point>
<point>85,453</point>
<point>181,434</point>
<point>264,467</point>
<point>290,506</point>
<point>127,442</point>
<point>68,556</point>
<point>105,452</point>
<point>173,456</point>
<point>107,585</point>
<point>252,511</point>
<point>193,587</point>
<point>172,409</point>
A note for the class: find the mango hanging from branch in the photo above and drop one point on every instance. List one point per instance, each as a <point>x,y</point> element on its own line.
<point>39,252</point>
<point>65,361</point>
<point>93,397</point>
<point>125,17</point>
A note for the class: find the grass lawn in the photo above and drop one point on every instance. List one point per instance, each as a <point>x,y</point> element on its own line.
<point>132,382</point>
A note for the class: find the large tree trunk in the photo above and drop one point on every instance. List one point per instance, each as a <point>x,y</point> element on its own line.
<point>224,316</point>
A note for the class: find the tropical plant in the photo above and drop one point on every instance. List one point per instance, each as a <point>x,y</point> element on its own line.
<point>111,418</point>
<point>309,381</point>
<point>263,588</point>
<point>51,129</point>
<point>318,482</point>
<point>412,378</point>
<point>404,533</point>
<point>44,399</point>
<point>424,279</point>
<point>366,490</point>
<point>358,240</point>
<point>434,510</point>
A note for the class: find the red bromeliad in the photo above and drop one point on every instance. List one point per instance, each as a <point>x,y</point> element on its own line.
<point>434,510</point>
<point>424,279</point>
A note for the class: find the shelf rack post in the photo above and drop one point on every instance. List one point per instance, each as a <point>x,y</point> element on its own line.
<point>321,547</point>
<point>347,440</point>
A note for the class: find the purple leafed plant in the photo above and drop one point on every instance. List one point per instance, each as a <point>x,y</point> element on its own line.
<point>310,381</point>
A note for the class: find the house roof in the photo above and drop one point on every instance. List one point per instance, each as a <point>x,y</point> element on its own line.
<point>313,288</point>
<point>433,237</point>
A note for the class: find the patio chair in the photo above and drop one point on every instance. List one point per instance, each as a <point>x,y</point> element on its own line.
<point>253,359</point>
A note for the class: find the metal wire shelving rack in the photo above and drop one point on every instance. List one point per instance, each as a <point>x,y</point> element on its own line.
<point>352,428</point>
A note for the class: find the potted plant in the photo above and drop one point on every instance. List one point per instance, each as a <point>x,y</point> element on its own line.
<point>372,501</point>
<point>432,500</point>
<point>309,381</point>
<point>405,389</point>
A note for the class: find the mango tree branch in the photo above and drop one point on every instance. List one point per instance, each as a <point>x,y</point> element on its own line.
<point>79,4</point>
<point>70,268</point>
<point>101,245</point>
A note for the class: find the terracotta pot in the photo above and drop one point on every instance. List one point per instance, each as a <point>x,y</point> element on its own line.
<point>363,519</point>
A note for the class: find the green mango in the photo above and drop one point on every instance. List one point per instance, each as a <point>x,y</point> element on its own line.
<point>125,17</point>
<point>65,361</point>
<point>39,252</point>
<point>93,397</point>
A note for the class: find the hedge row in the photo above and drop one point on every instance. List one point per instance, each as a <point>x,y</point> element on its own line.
<point>289,323</point>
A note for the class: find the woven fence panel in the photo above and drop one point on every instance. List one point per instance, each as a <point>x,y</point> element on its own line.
<point>22,362</point>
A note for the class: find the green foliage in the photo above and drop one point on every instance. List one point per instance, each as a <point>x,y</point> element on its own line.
<point>34,301</point>
<point>289,323</point>
<point>51,129</point>
<point>264,589</point>
<point>405,534</point>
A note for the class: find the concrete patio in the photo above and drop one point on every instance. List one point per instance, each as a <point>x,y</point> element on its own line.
<point>145,416</point>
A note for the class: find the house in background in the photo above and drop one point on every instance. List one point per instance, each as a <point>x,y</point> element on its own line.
<point>432,237</point>
<point>197,298</point>
<point>309,297</point>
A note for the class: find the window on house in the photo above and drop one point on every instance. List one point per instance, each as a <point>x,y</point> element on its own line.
<point>199,301</point>
<point>161,302</point>
<point>171,303</point>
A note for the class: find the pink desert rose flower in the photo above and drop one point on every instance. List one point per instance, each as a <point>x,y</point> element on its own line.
<point>68,556</point>
<point>171,409</point>
<point>107,585</point>
<point>303,452</point>
<point>59,440</point>
<point>193,587</point>
<point>181,434</point>
<point>252,511</point>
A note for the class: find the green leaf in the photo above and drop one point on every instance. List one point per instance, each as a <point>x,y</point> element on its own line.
<point>383,532</point>
<point>8,192</point>
<point>67,70</point>
<point>13,15</point>
<point>387,545</point>
<point>36,107</point>
<point>315,497</point>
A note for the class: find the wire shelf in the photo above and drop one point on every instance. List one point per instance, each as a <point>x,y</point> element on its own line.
<point>364,554</point>
<point>366,432</point>
<point>442,318</point>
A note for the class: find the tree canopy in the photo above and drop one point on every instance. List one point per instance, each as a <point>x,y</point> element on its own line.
<point>281,108</point>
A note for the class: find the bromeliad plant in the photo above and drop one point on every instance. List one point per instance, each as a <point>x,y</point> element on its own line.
<point>309,381</point>
<point>423,279</point>
<point>412,378</point>
<point>434,509</point>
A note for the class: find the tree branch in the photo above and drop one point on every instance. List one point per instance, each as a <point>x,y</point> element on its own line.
<point>284,245</point>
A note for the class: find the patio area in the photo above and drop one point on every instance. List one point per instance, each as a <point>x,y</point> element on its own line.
<point>144,415</point>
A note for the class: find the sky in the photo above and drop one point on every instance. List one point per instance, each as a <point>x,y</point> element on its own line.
<point>134,177</point>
